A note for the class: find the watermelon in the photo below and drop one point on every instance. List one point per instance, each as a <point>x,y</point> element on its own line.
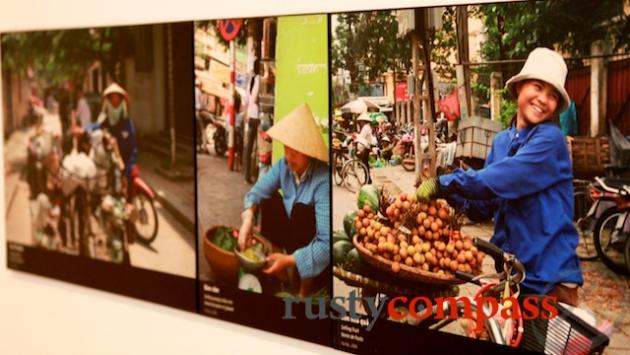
<point>353,262</point>
<point>340,249</point>
<point>368,195</point>
<point>348,224</point>
<point>340,235</point>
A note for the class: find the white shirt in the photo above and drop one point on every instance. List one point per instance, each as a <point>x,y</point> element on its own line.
<point>252,97</point>
<point>366,137</point>
<point>83,112</point>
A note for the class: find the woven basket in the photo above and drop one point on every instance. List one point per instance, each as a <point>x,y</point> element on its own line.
<point>406,272</point>
<point>379,286</point>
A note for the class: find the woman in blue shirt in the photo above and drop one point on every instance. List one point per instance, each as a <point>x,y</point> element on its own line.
<point>298,220</point>
<point>526,183</point>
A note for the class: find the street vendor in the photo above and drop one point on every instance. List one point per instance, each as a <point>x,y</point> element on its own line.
<point>114,119</point>
<point>296,221</point>
<point>527,183</point>
<point>366,140</point>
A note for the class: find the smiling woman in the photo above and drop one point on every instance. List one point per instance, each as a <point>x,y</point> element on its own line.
<point>537,102</point>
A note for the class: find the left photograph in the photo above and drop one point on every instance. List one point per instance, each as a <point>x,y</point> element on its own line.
<point>99,157</point>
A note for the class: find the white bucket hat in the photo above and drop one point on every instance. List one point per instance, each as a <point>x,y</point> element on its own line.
<point>299,131</point>
<point>546,65</point>
<point>114,88</point>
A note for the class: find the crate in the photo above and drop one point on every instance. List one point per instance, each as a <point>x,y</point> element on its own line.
<point>474,137</point>
<point>589,155</point>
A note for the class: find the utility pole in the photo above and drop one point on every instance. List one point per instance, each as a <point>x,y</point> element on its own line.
<point>171,91</point>
<point>231,109</point>
<point>463,71</point>
<point>428,99</point>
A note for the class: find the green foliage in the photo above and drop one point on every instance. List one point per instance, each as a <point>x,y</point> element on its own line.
<point>444,45</point>
<point>62,55</point>
<point>366,44</point>
<point>571,26</point>
<point>508,109</point>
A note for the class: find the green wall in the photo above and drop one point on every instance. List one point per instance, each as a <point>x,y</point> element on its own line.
<point>302,69</point>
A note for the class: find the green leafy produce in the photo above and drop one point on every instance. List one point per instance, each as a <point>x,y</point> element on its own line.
<point>368,195</point>
<point>223,238</point>
<point>340,249</point>
<point>340,235</point>
<point>348,224</point>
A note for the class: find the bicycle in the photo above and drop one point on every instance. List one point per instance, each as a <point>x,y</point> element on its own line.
<point>339,158</point>
<point>566,333</point>
<point>354,173</point>
<point>585,218</point>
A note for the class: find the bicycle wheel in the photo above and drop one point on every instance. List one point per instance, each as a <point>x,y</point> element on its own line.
<point>355,175</point>
<point>78,220</point>
<point>338,161</point>
<point>603,237</point>
<point>146,225</point>
<point>586,247</point>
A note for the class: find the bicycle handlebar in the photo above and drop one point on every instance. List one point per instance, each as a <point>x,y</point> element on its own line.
<point>500,259</point>
<point>490,249</point>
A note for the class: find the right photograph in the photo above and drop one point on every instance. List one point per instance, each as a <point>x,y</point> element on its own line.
<point>480,160</point>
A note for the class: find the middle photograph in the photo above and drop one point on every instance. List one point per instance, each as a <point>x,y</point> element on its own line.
<point>263,177</point>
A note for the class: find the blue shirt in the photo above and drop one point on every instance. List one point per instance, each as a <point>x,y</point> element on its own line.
<point>527,185</point>
<point>125,134</point>
<point>314,190</point>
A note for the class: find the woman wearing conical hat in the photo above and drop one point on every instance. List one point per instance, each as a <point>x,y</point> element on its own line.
<point>298,220</point>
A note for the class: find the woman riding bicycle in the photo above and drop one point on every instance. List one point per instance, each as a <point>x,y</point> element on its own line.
<point>526,183</point>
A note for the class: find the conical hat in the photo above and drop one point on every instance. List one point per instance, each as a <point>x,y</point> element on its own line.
<point>299,131</point>
<point>114,88</point>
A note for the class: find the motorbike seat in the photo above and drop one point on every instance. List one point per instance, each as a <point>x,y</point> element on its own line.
<point>617,183</point>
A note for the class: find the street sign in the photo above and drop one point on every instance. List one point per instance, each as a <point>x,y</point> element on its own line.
<point>229,28</point>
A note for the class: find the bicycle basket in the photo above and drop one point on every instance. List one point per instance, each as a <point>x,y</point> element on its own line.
<point>567,333</point>
<point>70,181</point>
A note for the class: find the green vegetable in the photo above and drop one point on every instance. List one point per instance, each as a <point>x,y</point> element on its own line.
<point>223,239</point>
<point>353,262</point>
<point>368,195</point>
<point>348,224</point>
<point>340,249</point>
<point>340,235</point>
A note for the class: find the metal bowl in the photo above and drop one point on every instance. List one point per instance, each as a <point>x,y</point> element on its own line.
<point>251,265</point>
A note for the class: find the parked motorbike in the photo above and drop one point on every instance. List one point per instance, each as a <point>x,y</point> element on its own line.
<point>602,201</point>
<point>212,128</point>
<point>613,226</point>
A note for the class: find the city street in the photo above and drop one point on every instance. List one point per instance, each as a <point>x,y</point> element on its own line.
<point>173,251</point>
<point>220,194</point>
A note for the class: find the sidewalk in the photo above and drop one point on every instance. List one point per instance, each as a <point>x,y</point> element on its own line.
<point>178,197</point>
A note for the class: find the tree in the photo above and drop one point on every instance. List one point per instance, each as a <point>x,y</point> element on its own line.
<point>444,45</point>
<point>62,55</point>
<point>571,26</point>
<point>366,44</point>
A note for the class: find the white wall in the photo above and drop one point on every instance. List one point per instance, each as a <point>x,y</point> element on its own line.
<point>45,316</point>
